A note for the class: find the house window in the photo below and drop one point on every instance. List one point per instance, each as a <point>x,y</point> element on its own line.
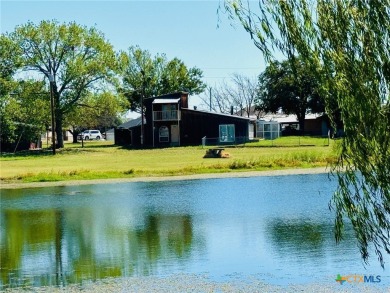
<point>168,107</point>
<point>169,112</point>
<point>268,129</point>
<point>163,134</point>
<point>226,133</point>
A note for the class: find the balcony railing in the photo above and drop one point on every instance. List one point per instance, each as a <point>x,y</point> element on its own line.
<point>166,115</point>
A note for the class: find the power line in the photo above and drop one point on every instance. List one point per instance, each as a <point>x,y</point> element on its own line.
<point>257,68</point>
<point>217,76</point>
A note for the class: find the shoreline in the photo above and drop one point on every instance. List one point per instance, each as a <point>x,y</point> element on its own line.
<point>243,174</point>
<point>189,282</point>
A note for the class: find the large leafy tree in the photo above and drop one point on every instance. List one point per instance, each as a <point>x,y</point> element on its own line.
<point>23,103</point>
<point>349,40</point>
<point>148,76</point>
<point>9,63</point>
<point>291,86</point>
<point>97,111</point>
<point>79,58</point>
<point>25,113</point>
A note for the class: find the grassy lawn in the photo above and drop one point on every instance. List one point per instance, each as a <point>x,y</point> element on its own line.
<point>105,160</point>
<point>291,141</point>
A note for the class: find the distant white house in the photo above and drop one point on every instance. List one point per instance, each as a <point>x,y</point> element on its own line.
<point>315,124</point>
<point>46,136</point>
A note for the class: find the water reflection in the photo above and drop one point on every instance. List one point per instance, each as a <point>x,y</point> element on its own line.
<point>267,225</point>
<point>61,246</point>
<point>299,236</point>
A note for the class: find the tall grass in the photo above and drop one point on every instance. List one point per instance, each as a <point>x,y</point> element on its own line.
<point>302,159</point>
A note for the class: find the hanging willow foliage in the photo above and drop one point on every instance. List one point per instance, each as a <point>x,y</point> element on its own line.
<point>346,42</point>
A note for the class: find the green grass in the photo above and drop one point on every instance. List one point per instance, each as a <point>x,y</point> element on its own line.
<point>291,141</point>
<point>100,160</point>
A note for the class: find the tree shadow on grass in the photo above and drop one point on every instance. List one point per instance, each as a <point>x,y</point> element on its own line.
<point>27,153</point>
<point>95,146</point>
<point>74,148</point>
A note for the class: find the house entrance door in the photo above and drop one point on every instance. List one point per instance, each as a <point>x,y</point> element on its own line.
<point>175,135</point>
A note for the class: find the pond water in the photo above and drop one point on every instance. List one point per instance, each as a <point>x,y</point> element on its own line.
<point>276,228</point>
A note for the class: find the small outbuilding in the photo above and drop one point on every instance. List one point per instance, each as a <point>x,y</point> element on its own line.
<point>315,124</point>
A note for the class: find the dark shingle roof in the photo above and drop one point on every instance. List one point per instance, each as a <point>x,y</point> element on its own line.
<point>131,123</point>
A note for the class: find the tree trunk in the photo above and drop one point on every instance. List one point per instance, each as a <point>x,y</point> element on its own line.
<point>59,134</point>
<point>74,134</point>
<point>58,117</point>
<point>301,121</point>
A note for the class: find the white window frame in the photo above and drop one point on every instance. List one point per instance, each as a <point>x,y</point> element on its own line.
<point>163,134</point>
<point>227,133</point>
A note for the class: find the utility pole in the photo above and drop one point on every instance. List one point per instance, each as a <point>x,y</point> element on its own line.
<point>142,107</point>
<point>53,132</point>
<point>210,98</point>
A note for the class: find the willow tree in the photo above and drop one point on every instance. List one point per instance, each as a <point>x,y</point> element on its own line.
<point>349,40</point>
<point>78,58</point>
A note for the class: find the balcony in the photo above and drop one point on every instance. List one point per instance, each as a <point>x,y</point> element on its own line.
<point>166,115</point>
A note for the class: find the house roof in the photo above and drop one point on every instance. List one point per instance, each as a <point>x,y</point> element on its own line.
<point>252,112</point>
<point>167,96</point>
<point>220,114</point>
<point>166,101</point>
<point>131,123</point>
<point>283,118</point>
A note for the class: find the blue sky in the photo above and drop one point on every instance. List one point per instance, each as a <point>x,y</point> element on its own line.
<point>184,29</point>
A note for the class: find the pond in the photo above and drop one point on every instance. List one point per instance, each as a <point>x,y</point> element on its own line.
<point>279,229</point>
